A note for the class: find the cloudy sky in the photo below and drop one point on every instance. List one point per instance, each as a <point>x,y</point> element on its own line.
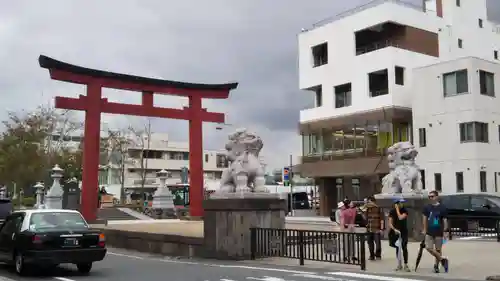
<point>253,42</point>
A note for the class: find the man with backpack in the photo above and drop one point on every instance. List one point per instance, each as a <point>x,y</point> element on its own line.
<point>374,220</point>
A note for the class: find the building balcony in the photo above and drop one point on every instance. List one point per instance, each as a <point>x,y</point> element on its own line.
<point>350,150</point>
<point>342,155</point>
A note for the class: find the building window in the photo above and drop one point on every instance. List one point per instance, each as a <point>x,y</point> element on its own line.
<point>455,83</point>
<point>320,54</point>
<point>460,43</point>
<point>487,83</point>
<point>206,158</point>
<point>482,181</point>
<point>495,54</point>
<point>437,182</point>
<point>422,137</point>
<point>473,132</point>
<point>480,23</point>
<point>459,177</point>
<point>458,3</point>
<point>343,95</point>
<point>378,83</point>
<point>399,73</point>
<point>495,175</point>
<point>319,96</point>
<point>422,177</point>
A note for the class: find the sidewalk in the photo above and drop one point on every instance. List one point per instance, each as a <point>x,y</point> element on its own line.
<point>468,260</point>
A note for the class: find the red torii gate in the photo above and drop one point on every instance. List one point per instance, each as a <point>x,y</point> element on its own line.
<point>93,104</point>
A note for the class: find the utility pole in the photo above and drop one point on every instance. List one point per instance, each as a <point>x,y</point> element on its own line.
<point>291,184</point>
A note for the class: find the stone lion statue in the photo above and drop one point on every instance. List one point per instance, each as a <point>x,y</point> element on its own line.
<point>245,173</point>
<point>404,175</point>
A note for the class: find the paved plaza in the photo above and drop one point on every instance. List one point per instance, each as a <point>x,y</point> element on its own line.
<point>471,260</point>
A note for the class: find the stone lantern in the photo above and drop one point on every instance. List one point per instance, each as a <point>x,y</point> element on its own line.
<point>54,197</point>
<point>163,198</point>
<point>39,191</point>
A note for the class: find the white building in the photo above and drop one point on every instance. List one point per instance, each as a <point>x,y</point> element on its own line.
<point>158,153</point>
<point>391,71</point>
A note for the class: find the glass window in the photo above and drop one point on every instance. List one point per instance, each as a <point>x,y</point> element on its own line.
<point>422,137</point>
<point>319,96</point>
<point>482,181</point>
<point>459,177</point>
<point>437,182</point>
<point>56,220</point>
<point>460,202</point>
<point>478,202</point>
<point>487,83</point>
<point>474,132</point>
<point>342,95</point>
<point>455,83</point>
<point>320,54</point>
<point>399,73</point>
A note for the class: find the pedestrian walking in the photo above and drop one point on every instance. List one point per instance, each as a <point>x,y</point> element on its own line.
<point>435,230</point>
<point>398,233</point>
<point>335,213</point>
<point>374,226</point>
<point>347,225</point>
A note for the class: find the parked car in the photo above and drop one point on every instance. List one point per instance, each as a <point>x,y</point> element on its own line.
<point>47,238</point>
<point>463,209</point>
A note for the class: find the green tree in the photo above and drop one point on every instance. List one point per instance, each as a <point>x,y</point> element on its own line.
<point>33,142</point>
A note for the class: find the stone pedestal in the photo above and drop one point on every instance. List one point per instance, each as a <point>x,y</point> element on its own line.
<point>163,199</point>
<point>228,219</point>
<point>54,197</point>
<point>414,204</point>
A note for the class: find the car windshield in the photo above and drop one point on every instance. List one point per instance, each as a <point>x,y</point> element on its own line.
<point>495,200</point>
<point>56,220</point>
<point>300,196</point>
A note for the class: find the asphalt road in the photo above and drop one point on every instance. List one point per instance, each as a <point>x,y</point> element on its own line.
<point>129,266</point>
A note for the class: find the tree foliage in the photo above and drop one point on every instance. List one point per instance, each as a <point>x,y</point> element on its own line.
<point>31,143</point>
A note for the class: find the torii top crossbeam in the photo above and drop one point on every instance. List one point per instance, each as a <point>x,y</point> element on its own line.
<point>94,105</point>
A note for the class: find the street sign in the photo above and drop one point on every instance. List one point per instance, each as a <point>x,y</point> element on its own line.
<point>286,173</point>
<point>184,175</point>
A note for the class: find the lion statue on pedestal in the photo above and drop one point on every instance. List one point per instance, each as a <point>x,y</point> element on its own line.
<point>404,175</point>
<point>245,173</point>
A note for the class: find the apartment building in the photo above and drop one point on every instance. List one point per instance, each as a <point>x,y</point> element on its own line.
<point>392,71</point>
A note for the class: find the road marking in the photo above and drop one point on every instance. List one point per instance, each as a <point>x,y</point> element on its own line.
<point>267,278</point>
<point>210,264</point>
<point>370,277</point>
<point>310,276</point>
<point>470,238</point>
<point>63,279</point>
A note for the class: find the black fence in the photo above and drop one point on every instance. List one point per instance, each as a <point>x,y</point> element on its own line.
<point>313,245</point>
<point>481,227</point>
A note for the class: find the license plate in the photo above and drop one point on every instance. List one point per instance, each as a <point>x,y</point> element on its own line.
<point>71,242</point>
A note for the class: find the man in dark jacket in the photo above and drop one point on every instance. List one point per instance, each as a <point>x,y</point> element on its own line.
<point>374,226</point>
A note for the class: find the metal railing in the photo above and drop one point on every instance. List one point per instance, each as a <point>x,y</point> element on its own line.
<point>361,8</point>
<point>342,154</point>
<point>326,246</point>
<point>474,227</point>
<point>376,46</point>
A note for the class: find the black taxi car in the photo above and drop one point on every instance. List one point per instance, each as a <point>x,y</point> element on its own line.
<point>49,237</point>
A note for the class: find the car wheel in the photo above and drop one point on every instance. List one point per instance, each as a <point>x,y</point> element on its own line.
<point>84,267</point>
<point>19,264</point>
